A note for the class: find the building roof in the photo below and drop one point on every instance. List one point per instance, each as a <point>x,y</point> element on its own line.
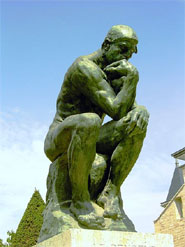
<point>178,178</point>
<point>176,184</point>
<point>169,203</point>
<point>179,154</point>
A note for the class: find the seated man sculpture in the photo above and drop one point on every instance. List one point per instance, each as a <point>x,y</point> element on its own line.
<point>99,84</point>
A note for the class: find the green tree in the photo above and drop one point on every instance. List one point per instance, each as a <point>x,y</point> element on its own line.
<point>10,239</point>
<point>29,227</point>
<point>1,243</point>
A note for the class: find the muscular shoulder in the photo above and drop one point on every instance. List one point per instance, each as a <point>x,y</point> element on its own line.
<point>84,67</point>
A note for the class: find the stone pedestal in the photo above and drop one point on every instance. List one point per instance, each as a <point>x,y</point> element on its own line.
<point>57,214</point>
<point>94,238</point>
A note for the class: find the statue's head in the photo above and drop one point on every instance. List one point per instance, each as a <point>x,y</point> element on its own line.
<point>120,43</point>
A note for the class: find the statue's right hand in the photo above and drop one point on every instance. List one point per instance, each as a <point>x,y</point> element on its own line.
<point>119,68</point>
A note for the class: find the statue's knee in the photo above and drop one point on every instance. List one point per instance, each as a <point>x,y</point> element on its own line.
<point>91,120</point>
<point>49,148</point>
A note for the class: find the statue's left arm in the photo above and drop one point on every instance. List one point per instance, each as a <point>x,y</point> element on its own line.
<point>137,116</point>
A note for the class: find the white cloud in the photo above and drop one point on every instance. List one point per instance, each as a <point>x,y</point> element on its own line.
<point>23,166</point>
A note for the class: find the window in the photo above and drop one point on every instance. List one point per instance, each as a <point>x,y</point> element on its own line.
<point>179,211</point>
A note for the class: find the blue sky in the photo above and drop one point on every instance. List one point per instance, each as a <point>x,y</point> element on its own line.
<point>39,41</point>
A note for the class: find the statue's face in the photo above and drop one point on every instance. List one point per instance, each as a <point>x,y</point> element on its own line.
<point>121,49</point>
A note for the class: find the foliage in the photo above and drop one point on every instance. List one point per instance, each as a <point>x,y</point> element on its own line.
<point>11,237</point>
<point>29,227</point>
<point>9,240</point>
<point>1,243</point>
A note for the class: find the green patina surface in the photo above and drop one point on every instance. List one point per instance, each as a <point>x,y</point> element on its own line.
<point>90,161</point>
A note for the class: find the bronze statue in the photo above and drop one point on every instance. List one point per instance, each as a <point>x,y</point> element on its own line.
<point>99,84</point>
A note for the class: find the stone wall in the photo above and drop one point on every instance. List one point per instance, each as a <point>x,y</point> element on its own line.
<point>170,221</point>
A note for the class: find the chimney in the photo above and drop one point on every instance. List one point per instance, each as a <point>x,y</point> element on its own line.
<point>176,163</point>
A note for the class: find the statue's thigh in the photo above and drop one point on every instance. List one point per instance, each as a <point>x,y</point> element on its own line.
<point>58,139</point>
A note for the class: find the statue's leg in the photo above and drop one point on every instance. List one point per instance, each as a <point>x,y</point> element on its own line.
<point>124,150</point>
<point>77,135</point>
<point>124,157</point>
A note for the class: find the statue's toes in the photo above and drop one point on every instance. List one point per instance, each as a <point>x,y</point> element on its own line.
<point>113,213</point>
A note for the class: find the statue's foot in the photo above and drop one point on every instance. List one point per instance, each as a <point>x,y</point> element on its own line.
<point>109,200</point>
<point>111,207</point>
<point>86,215</point>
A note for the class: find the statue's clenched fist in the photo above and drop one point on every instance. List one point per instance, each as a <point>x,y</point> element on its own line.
<point>119,69</point>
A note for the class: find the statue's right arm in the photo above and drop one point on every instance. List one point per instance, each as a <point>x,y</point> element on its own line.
<point>91,81</point>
